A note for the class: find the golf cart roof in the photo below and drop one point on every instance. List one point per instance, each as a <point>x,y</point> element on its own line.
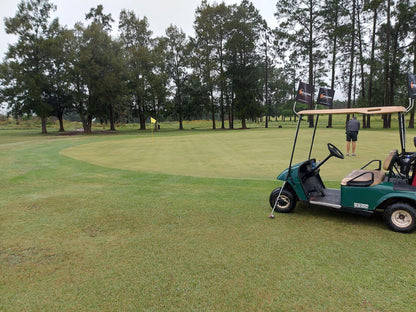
<point>358,110</point>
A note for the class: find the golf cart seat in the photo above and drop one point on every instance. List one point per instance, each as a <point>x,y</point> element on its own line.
<point>364,177</point>
<point>389,161</point>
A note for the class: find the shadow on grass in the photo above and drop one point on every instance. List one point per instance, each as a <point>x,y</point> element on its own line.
<point>305,212</point>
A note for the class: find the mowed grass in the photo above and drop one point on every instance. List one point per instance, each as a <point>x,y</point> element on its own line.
<point>90,223</point>
<point>251,154</point>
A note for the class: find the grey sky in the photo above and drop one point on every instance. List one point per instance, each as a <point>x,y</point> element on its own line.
<point>160,13</point>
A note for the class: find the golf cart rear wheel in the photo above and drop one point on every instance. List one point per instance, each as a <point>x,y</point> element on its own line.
<point>400,217</point>
<point>286,202</point>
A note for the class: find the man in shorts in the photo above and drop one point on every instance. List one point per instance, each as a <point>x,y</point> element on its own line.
<point>353,126</point>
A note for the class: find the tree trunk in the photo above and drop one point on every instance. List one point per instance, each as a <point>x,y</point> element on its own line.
<point>87,123</point>
<point>370,82</point>
<point>83,119</point>
<point>84,122</point>
<point>112,121</point>
<point>43,121</point>
<point>222,89</point>
<point>361,55</point>
<point>227,101</point>
<point>387,66</point>
<point>16,116</point>
<point>352,48</point>
<point>222,110</point>
<point>212,108</point>
<point>232,113</point>
<point>142,118</point>
<point>393,71</point>
<point>180,109</point>
<point>310,52</point>
<point>231,107</point>
<point>243,123</point>
<point>61,121</point>
<point>334,56</point>
<point>412,112</point>
<point>266,85</point>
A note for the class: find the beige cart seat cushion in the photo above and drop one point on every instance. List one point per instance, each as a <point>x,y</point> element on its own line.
<point>364,176</point>
<point>387,164</point>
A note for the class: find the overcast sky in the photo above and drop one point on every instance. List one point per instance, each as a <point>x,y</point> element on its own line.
<point>160,13</point>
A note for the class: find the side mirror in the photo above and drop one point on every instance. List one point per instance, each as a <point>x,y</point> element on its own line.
<point>414,141</point>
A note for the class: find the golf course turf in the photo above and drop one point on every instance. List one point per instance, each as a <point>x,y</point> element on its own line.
<point>178,222</point>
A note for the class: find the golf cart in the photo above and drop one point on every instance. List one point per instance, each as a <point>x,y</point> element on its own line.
<point>389,187</point>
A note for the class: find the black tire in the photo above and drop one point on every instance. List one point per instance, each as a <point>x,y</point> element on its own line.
<point>400,217</point>
<point>286,203</point>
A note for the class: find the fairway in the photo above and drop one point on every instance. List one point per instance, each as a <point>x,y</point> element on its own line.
<point>179,223</point>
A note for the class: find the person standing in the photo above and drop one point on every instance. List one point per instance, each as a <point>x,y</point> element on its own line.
<point>352,128</point>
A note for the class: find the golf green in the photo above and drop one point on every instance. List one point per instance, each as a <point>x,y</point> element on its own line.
<point>253,154</point>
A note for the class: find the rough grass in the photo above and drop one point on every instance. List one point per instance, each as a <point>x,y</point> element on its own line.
<point>77,236</point>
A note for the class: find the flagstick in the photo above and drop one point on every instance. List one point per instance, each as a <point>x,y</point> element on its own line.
<point>152,122</point>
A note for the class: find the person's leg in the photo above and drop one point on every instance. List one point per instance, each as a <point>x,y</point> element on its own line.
<point>348,143</point>
<point>354,141</point>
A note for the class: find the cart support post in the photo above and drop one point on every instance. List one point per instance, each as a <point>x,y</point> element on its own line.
<point>294,145</point>
<point>313,135</point>
<point>402,132</point>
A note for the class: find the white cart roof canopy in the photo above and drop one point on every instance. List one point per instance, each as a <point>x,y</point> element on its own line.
<point>358,110</point>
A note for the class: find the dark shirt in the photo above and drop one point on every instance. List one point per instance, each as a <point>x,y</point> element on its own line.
<point>353,125</point>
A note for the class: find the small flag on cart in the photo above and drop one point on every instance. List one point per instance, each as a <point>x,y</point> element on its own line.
<point>411,85</point>
<point>325,96</point>
<point>305,93</point>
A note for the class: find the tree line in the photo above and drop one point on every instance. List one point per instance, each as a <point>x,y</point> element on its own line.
<point>234,66</point>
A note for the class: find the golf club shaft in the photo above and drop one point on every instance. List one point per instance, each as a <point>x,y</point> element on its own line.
<point>277,198</point>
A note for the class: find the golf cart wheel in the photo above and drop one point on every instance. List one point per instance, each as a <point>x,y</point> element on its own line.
<point>400,217</point>
<point>286,202</point>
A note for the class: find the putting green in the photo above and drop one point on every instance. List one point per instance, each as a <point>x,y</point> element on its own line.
<point>251,154</point>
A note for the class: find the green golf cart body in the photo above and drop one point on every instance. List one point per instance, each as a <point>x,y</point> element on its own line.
<point>390,187</point>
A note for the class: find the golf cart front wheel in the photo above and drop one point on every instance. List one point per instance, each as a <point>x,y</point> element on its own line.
<point>286,201</point>
<point>400,217</point>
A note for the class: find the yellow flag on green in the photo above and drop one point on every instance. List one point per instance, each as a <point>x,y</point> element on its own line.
<point>152,120</point>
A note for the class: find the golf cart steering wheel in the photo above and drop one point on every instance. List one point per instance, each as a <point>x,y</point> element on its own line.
<point>334,151</point>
